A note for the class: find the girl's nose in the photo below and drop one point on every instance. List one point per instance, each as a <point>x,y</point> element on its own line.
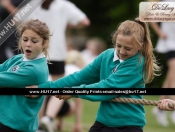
<point>28,44</point>
<point>122,51</point>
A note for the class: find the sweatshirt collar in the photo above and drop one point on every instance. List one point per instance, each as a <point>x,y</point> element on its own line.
<point>38,57</point>
<point>116,57</point>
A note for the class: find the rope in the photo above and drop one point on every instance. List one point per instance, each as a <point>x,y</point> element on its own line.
<point>140,101</point>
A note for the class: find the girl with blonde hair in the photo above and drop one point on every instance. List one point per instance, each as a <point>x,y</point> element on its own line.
<point>19,113</point>
<point>131,64</point>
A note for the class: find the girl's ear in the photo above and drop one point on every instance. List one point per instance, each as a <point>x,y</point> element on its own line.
<point>140,47</point>
<point>45,43</point>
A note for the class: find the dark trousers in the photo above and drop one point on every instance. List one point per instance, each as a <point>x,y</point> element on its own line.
<point>6,129</point>
<point>98,127</point>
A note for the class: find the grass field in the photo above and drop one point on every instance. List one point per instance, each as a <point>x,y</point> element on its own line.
<point>89,114</point>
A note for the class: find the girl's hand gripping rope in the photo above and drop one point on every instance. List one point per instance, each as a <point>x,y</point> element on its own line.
<point>166,104</point>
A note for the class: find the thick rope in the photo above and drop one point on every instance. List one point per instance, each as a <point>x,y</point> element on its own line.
<point>140,101</point>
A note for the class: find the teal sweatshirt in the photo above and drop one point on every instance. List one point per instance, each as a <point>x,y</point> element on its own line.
<point>17,111</point>
<point>107,71</point>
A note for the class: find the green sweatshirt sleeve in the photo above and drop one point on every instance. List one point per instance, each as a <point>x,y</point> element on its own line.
<point>23,77</point>
<point>3,65</point>
<point>127,76</point>
<point>90,74</point>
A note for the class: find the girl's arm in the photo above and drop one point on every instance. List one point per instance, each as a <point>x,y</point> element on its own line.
<point>90,74</point>
<point>4,65</point>
<point>127,76</point>
<point>23,77</point>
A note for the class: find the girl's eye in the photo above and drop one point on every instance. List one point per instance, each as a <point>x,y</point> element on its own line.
<point>34,41</point>
<point>25,40</point>
<point>128,49</point>
<point>118,46</point>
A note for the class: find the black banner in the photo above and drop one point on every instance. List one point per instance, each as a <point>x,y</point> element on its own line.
<point>85,91</point>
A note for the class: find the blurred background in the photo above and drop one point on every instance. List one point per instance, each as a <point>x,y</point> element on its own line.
<point>105,17</point>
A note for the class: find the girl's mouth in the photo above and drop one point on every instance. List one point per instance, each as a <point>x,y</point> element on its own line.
<point>28,52</point>
<point>122,56</point>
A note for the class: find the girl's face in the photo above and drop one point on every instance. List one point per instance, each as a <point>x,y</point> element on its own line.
<point>32,44</point>
<point>125,47</point>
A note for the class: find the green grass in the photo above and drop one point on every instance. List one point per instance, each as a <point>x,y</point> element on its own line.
<point>152,125</point>
<point>89,114</point>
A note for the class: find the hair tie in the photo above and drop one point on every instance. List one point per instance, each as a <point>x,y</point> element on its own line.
<point>142,24</point>
<point>139,22</point>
